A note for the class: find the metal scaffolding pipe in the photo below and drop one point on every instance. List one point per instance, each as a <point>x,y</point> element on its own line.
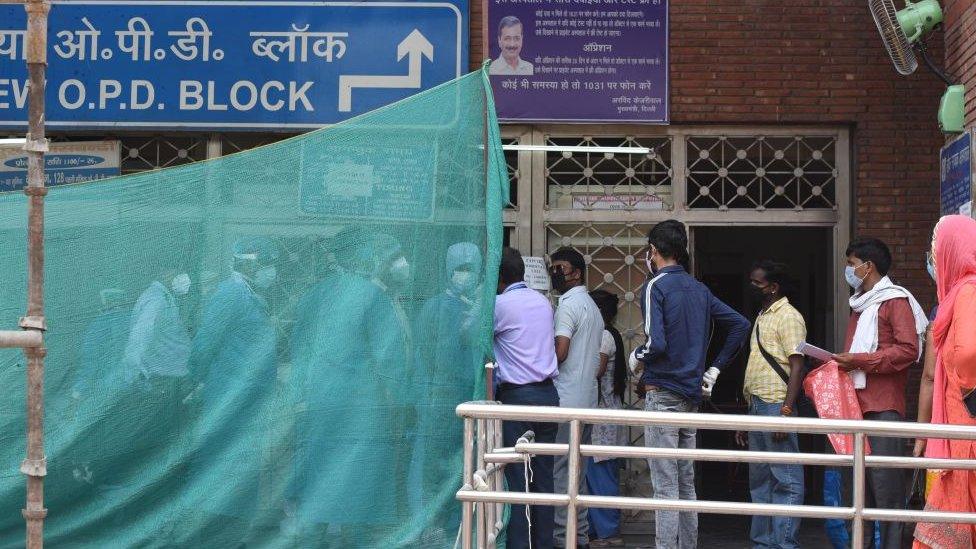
<point>640,418</point>
<point>857,523</point>
<point>468,471</point>
<point>595,149</point>
<point>35,466</point>
<point>575,435</point>
<point>514,455</point>
<point>20,338</point>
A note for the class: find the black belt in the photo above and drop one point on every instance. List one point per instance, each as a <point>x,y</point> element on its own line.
<point>544,383</point>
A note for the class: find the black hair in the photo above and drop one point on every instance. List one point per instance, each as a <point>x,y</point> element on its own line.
<point>572,257</point>
<point>684,260</point>
<point>512,268</point>
<point>670,239</point>
<point>507,21</point>
<point>607,303</point>
<point>776,273</point>
<point>873,250</point>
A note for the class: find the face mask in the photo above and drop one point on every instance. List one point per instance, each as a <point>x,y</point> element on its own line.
<point>181,284</point>
<point>265,277</point>
<point>850,273</point>
<point>757,293</point>
<point>399,273</point>
<point>463,281</point>
<point>558,279</point>
<point>650,264</point>
<point>930,268</point>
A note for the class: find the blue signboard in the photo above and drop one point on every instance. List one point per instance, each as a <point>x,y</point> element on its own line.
<point>64,164</point>
<point>230,64</point>
<point>956,170</point>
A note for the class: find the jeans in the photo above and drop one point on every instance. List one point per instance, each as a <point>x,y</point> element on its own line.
<point>560,475</point>
<point>884,488</point>
<point>603,479</point>
<point>518,534</point>
<point>774,483</point>
<point>672,478</point>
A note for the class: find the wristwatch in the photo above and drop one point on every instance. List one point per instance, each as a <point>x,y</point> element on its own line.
<point>785,410</point>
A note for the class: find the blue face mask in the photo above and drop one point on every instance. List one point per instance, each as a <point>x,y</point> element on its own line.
<point>931,269</point>
<point>850,273</point>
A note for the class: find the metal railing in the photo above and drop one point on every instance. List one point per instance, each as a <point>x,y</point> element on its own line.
<point>483,496</point>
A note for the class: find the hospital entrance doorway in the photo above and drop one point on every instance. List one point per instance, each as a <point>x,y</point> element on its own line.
<point>722,259</point>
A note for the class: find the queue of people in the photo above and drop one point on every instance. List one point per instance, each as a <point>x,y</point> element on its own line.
<point>569,355</point>
<point>335,422</point>
<point>574,357</point>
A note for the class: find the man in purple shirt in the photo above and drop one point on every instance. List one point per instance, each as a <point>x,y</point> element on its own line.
<point>526,360</point>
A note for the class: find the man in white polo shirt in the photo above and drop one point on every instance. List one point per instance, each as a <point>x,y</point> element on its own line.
<point>579,331</point>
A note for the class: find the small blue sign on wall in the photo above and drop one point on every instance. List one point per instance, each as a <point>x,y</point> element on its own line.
<point>64,164</point>
<point>253,65</point>
<point>956,170</point>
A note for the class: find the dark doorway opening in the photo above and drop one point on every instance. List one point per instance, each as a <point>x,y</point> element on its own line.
<point>723,258</point>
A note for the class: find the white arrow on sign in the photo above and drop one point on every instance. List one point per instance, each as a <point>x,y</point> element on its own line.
<point>415,46</point>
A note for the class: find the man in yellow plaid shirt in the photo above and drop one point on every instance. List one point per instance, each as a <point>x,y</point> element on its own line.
<point>772,385</point>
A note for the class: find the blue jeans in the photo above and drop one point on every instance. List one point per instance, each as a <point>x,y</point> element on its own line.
<point>774,483</point>
<point>543,518</point>
<point>603,479</point>
<point>672,478</point>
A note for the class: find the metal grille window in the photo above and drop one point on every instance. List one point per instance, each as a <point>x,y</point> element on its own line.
<point>762,172</point>
<point>235,143</point>
<point>512,168</point>
<point>609,181</point>
<point>614,254</point>
<point>141,154</point>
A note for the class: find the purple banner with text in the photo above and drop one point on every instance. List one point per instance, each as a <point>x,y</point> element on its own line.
<point>579,60</point>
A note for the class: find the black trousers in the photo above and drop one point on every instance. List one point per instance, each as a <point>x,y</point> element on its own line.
<point>543,516</point>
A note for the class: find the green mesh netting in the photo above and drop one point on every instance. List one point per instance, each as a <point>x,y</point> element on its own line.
<point>300,391</point>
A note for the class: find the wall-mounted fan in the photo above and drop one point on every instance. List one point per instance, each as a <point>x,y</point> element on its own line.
<point>903,32</point>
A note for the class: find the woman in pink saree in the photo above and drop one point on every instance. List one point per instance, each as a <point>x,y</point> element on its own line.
<point>954,337</point>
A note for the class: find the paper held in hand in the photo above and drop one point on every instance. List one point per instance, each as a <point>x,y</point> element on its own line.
<point>858,376</point>
<point>814,352</point>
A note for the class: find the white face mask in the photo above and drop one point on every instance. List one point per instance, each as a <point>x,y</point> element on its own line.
<point>400,272</point>
<point>181,284</point>
<point>265,276</point>
<point>463,281</point>
<point>850,274</point>
<point>651,269</point>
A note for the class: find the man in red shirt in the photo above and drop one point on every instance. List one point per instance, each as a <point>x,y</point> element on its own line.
<point>883,341</point>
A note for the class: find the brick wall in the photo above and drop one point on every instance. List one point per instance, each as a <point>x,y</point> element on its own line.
<point>816,62</point>
<point>822,62</point>
<point>960,49</point>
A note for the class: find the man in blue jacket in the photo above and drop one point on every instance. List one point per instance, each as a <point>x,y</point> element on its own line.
<point>678,315</point>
